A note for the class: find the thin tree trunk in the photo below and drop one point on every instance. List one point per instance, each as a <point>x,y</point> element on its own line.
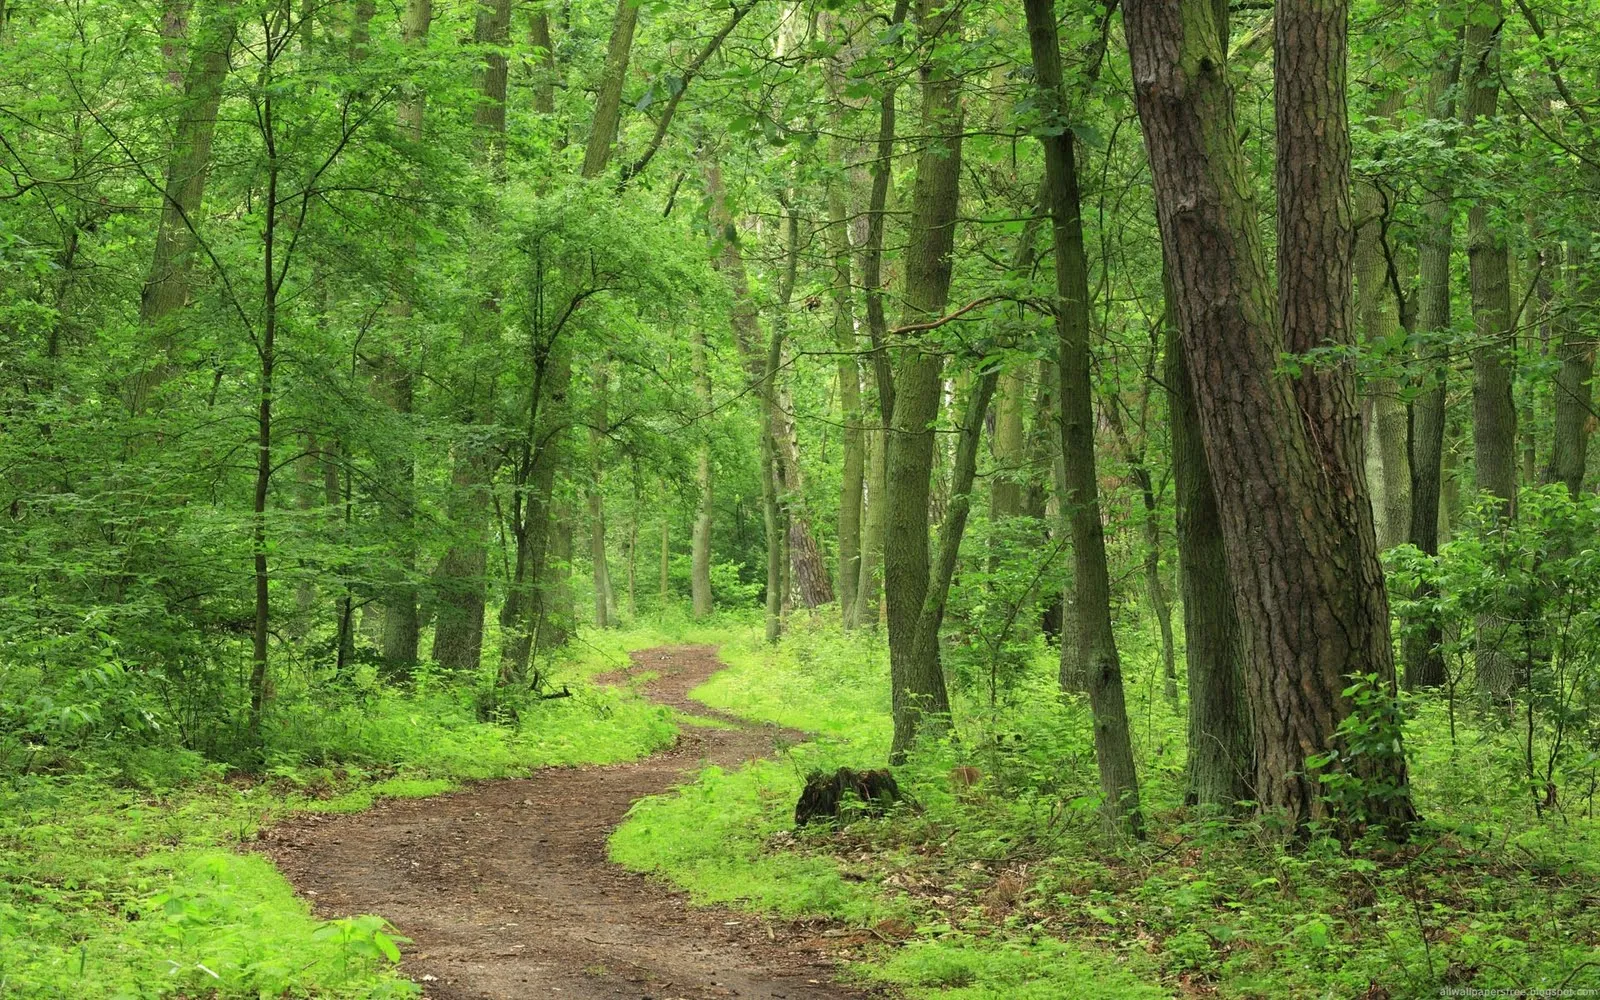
<point>664,585</point>
<point>1494,415</point>
<point>1420,649</point>
<point>810,574</point>
<point>1574,390</point>
<point>458,632</point>
<point>919,701</point>
<point>267,352</point>
<point>771,509</point>
<point>528,597</point>
<point>963,471</point>
<point>852,480</point>
<point>598,429</point>
<point>700,561</point>
<point>729,260</point>
<point>1119,781</point>
<point>869,587</point>
<point>869,603</point>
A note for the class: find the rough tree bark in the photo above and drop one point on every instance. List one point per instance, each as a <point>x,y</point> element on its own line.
<point>1220,767</point>
<point>1296,519</point>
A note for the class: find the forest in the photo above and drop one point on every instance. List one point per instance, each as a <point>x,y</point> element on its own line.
<point>799,499</point>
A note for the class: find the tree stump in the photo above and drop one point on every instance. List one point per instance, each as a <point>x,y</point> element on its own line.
<point>845,794</point>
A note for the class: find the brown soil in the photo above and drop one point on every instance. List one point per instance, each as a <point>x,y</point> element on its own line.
<point>505,891</point>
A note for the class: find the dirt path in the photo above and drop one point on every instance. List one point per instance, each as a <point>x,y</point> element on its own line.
<point>505,890</point>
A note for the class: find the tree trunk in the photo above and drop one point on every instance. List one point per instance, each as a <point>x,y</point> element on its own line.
<point>1420,650</point>
<point>919,700</point>
<point>1010,458</point>
<point>852,480</point>
<point>1220,768</point>
<point>729,259</point>
<point>1119,781</point>
<point>1297,523</point>
<point>166,287</point>
<point>1379,314</point>
<point>664,585</point>
<point>458,632</point>
<point>598,429</point>
<point>964,469</point>
<point>1494,415</point>
<point>528,597</point>
<point>869,587</point>
<point>608,102</point>
<point>1574,391</point>
<point>337,505</point>
<point>267,354</point>
<point>702,603</point>
<point>562,613</point>
<point>869,604</point>
<point>805,556</point>
<point>402,625</point>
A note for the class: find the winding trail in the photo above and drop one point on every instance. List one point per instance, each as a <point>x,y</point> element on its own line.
<point>506,893</point>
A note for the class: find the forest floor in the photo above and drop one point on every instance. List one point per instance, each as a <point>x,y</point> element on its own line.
<point>505,890</point>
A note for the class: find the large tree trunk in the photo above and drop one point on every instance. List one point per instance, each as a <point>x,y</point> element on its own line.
<point>919,700</point>
<point>166,287</point>
<point>1119,781</point>
<point>1420,650</point>
<point>1297,524</point>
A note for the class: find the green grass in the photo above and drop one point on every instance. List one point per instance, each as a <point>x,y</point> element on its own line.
<point>1014,891</point>
<point>729,837</point>
<point>123,878</point>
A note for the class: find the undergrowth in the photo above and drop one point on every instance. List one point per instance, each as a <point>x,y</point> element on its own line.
<point>127,875</point>
<point>1010,889</point>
